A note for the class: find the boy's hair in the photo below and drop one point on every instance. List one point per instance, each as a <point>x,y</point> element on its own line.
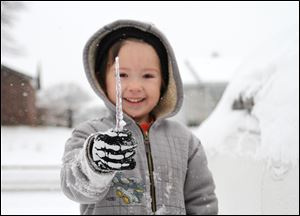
<point>112,43</point>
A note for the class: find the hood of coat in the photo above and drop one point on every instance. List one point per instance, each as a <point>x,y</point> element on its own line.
<point>171,101</point>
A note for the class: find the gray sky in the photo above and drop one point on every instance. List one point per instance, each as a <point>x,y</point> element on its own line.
<point>54,33</point>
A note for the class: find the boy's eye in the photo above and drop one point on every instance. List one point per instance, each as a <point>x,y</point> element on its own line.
<point>148,76</point>
<point>123,74</point>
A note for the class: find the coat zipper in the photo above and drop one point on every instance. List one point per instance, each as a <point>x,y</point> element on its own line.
<point>151,170</point>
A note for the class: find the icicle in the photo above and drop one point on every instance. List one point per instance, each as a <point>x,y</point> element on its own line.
<point>120,123</point>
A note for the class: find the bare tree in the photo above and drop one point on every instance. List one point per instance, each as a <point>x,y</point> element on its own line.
<point>9,12</point>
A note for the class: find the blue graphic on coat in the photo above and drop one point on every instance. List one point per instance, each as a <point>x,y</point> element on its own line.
<point>129,189</point>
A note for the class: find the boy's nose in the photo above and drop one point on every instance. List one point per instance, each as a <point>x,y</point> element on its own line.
<point>135,86</point>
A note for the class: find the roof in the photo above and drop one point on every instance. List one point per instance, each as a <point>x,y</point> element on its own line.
<point>10,70</point>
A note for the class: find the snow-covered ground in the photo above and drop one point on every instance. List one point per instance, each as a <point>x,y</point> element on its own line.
<point>30,166</point>
<point>33,145</point>
<point>247,186</point>
<point>37,203</point>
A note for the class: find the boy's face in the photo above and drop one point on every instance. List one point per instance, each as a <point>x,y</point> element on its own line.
<point>140,77</point>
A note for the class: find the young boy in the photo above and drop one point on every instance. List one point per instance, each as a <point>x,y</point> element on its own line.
<point>152,166</point>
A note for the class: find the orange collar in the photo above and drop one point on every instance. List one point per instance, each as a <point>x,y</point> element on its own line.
<point>146,125</point>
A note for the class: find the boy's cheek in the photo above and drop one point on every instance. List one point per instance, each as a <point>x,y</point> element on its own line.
<point>112,96</point>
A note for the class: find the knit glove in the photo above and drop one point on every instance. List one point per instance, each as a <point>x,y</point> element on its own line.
<point>112,150</point>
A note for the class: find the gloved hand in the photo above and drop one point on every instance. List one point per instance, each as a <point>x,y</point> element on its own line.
<point>113,150</point>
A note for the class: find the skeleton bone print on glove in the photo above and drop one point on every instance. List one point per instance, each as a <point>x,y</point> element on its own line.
<point>113,150</point>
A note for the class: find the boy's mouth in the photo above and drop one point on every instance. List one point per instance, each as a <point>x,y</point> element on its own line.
<point>134,100</point>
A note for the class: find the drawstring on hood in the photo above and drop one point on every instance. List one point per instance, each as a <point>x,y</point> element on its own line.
<point>99,44</point>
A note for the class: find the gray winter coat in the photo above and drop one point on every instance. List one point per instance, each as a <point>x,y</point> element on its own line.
<point>183,183</point>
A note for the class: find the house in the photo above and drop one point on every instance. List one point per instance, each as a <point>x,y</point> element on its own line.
<point>200,100</point>
<point>18,97</point>
<point>200,96</point>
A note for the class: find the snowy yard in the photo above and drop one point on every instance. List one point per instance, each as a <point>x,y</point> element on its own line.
<point>31,158</point>
<point>37,203</point>
<point>30,165</point>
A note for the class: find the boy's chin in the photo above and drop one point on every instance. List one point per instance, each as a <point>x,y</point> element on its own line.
<point>140,119</point>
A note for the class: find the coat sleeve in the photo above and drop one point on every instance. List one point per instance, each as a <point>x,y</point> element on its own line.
<point>199,189</point>
<point>79,181</point>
